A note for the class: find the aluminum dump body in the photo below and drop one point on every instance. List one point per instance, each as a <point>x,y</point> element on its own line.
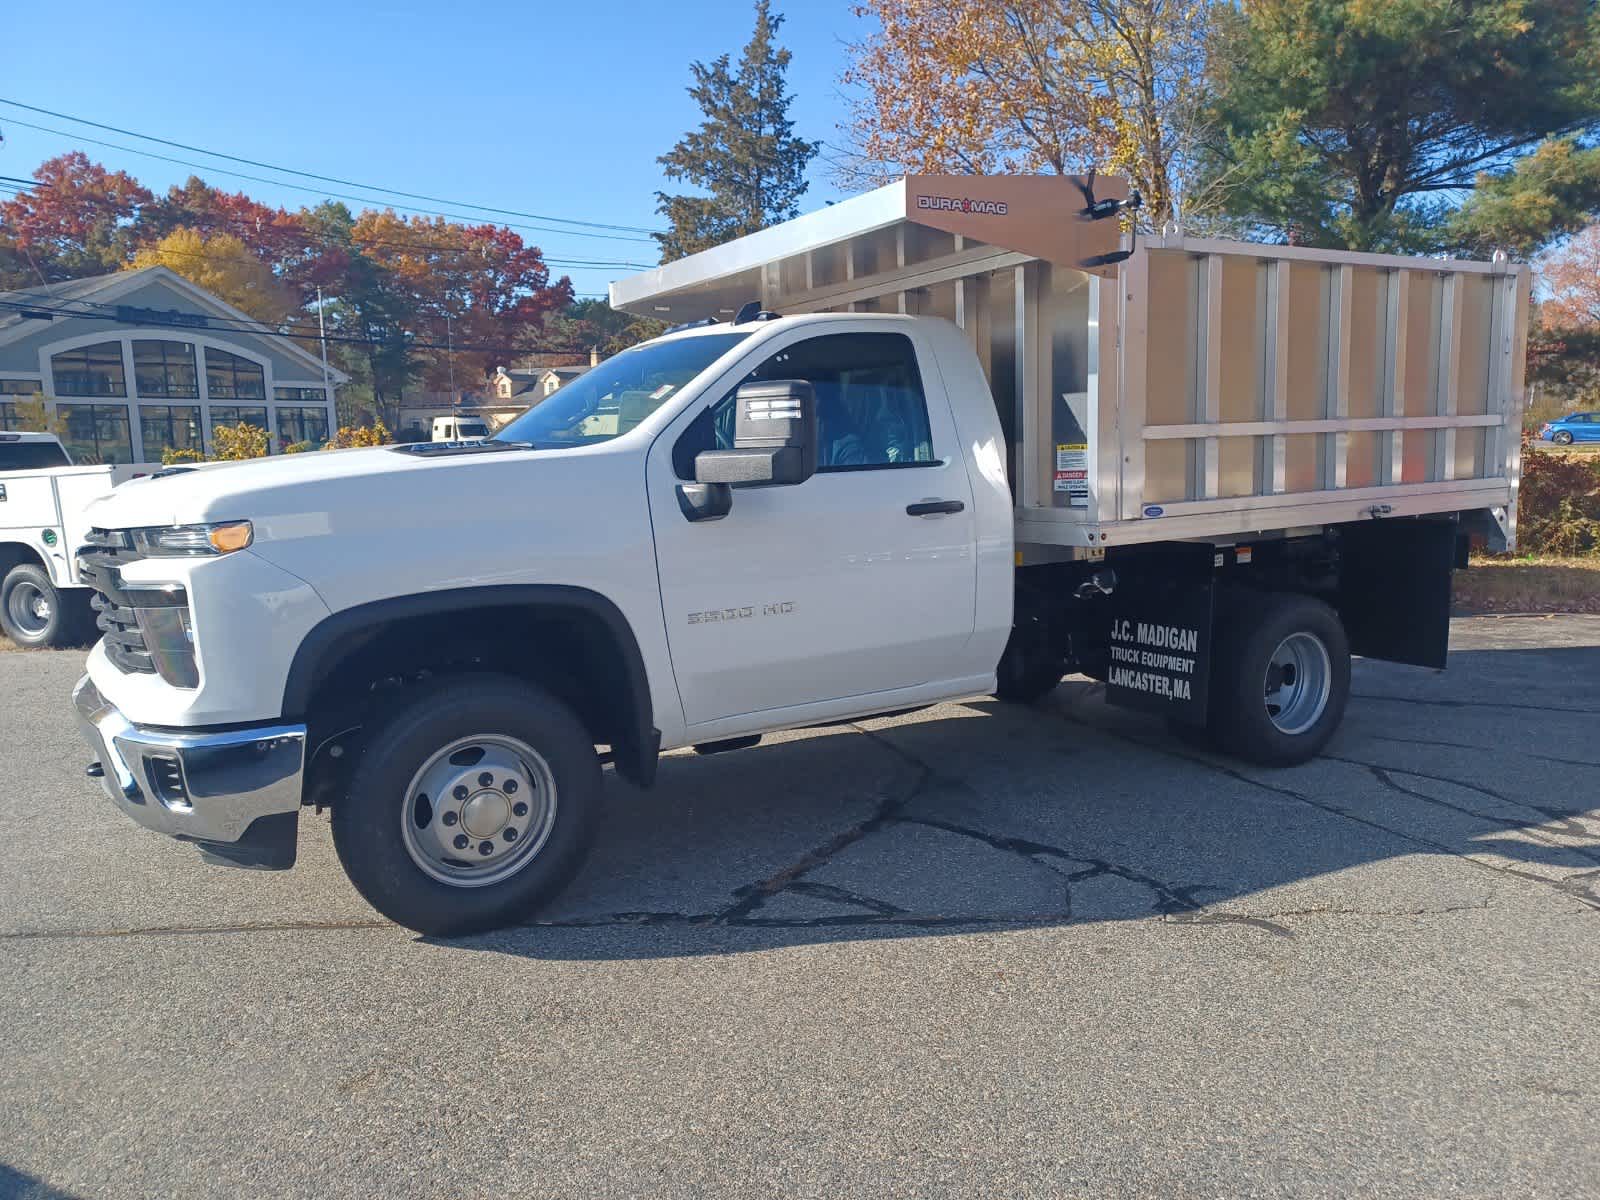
<point>1194,390</point>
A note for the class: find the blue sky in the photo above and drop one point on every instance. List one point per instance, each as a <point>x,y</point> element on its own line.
<point>557,108</point>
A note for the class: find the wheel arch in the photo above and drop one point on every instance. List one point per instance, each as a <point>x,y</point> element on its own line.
<point>565,626</point>
<point>15,554</point>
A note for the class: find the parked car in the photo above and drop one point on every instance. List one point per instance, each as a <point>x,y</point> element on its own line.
<point>1574,427</point>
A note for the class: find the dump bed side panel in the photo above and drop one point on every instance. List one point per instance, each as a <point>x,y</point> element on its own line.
<point>1263,384</point>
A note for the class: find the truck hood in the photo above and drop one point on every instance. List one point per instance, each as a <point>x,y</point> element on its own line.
<point>264,486</point>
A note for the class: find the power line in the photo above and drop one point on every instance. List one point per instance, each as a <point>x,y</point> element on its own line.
<point>310,335</point>
<point>615,237</point>
<point>17,186</point>
<point>370,187</point>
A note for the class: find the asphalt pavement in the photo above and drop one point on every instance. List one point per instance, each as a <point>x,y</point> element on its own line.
<point>972,950</point>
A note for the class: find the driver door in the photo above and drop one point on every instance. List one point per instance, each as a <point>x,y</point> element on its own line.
<point>820,595</point>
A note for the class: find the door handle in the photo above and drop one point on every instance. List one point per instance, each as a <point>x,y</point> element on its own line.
<point>934,508</point>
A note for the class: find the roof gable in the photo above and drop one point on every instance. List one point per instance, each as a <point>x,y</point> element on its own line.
<point>105,289</point>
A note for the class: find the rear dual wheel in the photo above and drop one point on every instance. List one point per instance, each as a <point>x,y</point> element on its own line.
<point>1280,678</point>
<point>473,803</point>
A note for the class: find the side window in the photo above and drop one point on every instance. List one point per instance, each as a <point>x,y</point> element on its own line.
<point>871,411</point>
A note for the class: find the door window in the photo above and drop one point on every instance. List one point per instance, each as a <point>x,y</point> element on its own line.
<point>871,411</point>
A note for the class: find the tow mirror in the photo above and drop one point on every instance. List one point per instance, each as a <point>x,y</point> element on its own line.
<point>774,438</point>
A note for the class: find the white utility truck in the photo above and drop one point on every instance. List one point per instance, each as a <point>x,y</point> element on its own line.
<point>955,436</point>
<point>455,429</point>
<point>42,498</point>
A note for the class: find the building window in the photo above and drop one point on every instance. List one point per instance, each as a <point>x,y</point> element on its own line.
<point>169,427</point>
<point>90,371</point>
<point>165,370</point>
<point>296,425</point>
<point>235,414</point>
<point>22,388</point>
<point>96,433</point>
<point>300,395</point>
<point>230,377</point>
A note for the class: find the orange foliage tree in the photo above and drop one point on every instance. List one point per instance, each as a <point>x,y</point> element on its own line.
<point>1571,277</point>
<point>1057,86</point>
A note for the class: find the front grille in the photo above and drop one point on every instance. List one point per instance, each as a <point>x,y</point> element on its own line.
<point>116,605</point>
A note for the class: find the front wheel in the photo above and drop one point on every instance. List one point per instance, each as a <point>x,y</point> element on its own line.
<point>1281,679</point>
<point>1563,437</point>
<point>472,805</point>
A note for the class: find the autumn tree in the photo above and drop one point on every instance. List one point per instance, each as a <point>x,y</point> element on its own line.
<point>1355,124</point>
<point>476,285</point>
<point>225,267</point>
<point>1029,86</point>
<point>744,157</point>
<point>76,220</point>
<point>1571,279</point>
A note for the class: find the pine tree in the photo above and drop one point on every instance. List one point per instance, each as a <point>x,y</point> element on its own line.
<point>744,154</point>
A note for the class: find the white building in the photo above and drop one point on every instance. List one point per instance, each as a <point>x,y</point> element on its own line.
<point>140,361</point>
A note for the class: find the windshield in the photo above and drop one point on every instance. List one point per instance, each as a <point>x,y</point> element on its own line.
<point>612,398</point>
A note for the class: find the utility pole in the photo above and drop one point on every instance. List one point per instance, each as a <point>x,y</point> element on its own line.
<point>322,336</point>
<point>450,354</point>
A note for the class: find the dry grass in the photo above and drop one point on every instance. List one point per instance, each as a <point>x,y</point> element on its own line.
<point>1530,585</point>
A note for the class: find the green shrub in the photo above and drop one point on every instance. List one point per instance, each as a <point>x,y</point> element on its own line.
<point>1558,505</point>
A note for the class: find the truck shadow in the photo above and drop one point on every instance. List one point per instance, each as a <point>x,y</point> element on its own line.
<point>1443,788</point>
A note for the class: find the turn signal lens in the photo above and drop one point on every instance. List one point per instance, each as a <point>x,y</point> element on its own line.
<point>235,535</point>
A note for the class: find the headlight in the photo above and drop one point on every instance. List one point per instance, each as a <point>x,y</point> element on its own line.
<point>192,541</point>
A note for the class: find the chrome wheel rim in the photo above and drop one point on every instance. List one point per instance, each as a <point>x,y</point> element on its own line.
<point>29,608</point>
<point>479,810</point>
<point>1298,681</point>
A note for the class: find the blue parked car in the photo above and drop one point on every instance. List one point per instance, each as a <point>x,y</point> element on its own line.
<point>1574,427</point>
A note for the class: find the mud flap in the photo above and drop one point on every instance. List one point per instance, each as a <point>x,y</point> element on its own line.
<point>1161,639</point>
<point>1394,589</point>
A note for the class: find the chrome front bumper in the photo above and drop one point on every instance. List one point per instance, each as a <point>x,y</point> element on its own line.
<point>235,792</point>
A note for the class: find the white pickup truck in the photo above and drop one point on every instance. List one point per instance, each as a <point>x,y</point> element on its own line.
<point>42,498</point>
<point>740,527</point>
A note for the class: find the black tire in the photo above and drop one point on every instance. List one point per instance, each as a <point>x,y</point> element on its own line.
<point>1562,437</point>
<point>1031,666</point>
<point>367,821</point>
<point>34,613</point>
<point>1241,722</point>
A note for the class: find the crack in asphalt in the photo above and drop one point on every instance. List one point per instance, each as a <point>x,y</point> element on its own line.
<point>1564,821</point>
<point>22,935</point>
<point>1495,704</point>
<point>1482,749</point>
<point>1577,886</point>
